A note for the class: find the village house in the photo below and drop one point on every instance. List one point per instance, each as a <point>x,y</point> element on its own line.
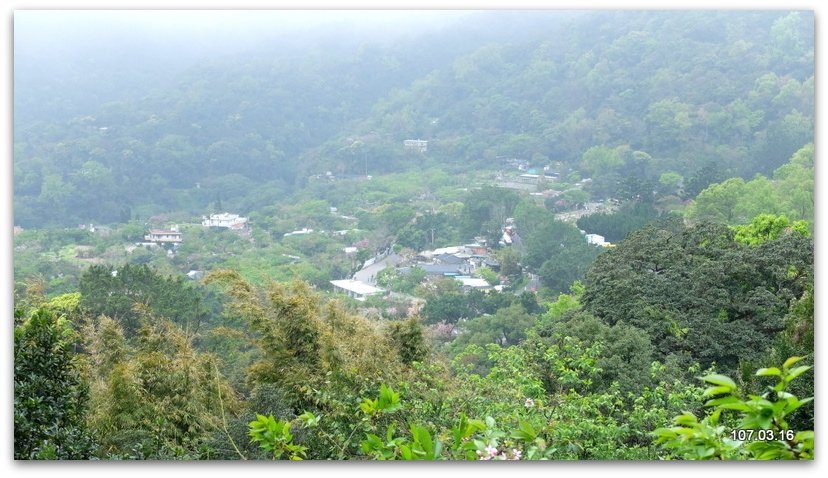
<point>492,264</point>
<point>477,283</point>
<point>508,235</point>
<point>450,270</point>
<point>449,259</point>
<point>356,289</point>
<point>535,178</point>
<point>226,220</point>
<point>476,249</point>
<point>300,232</point>
<point>418,145</point>
<point>164,236</point>
<point>597,240</point>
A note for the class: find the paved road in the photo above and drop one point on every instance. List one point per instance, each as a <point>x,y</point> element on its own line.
<point>369,274</point>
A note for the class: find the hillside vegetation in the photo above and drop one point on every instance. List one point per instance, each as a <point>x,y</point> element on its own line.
<point>606,95</point>
<point>598,246</point>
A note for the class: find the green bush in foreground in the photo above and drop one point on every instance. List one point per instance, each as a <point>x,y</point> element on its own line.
<point>761,431</point>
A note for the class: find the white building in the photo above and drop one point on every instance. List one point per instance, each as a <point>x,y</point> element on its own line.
<point>163,236</point>
<point>356,289</point>
<point>230,221</point>
<point>300,232</point>
<point>473,283</point>
<point>597,240</point>
<point>419,145</point>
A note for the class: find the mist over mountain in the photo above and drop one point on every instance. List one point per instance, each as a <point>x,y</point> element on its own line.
<point>109,119</point>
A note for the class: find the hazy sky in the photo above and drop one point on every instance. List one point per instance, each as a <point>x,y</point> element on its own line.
<point>56,36</point>
<point>239,22</point>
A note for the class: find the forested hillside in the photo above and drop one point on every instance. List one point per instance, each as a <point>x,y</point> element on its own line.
<point>606,95</point>
<point>493,236</point>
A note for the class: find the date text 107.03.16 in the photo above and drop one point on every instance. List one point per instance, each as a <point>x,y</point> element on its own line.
<point>762,435</point>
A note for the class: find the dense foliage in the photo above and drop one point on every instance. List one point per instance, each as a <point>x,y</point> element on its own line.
<point>697,292</point>
<point>50,395</point>
<point>686,140</point>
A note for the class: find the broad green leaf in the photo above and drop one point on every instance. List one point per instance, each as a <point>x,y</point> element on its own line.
<point>793,405</point>
<point>765,372</point>
<point>805,435</point>
<point>740,406</point>
<point>717,390</point>
<point>729,402</point>
<point>423,438</point>
<point>791,361</point>
<point>720,380</point>
<point>525,432</point>
<point>309,419</point>
<point>438,449</point>
<point>685,419</point>
<point>792,374</point>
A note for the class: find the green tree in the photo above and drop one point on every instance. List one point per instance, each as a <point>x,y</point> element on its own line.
<point>50,395</point>
<point>695,290</point>
<point>616,225</point>
<point>701,179</point>
<point>156,396</point>
<point>509,260</point>
<point>570,265</point>
<point>564,303</point>
<point>489,275</point>
<point>668,123</point>
<point>603,164</point>
<point>407,337</point>
<point>446,307</point>
<point>505,327</point>
<point>485,211</point>
<point>670,183</point>
<point>549,238</point>
<point>759,196</point>
<point>718,202</point>
<point>121,292</point>
<point>395,216</point>
<point>301,342</point>
<point>795,183</point>
<point>625,355</point>
<point>768,227</point>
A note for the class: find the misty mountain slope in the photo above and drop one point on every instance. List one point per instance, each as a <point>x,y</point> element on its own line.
<point>733,89</point>
<point>736,90</point>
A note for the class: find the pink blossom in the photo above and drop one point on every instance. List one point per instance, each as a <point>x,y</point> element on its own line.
<point>487,454</point>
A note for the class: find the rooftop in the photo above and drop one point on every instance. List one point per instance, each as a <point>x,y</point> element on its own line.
<point>474,282</point>
<point>357,287</point>
<point>440,269</point>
